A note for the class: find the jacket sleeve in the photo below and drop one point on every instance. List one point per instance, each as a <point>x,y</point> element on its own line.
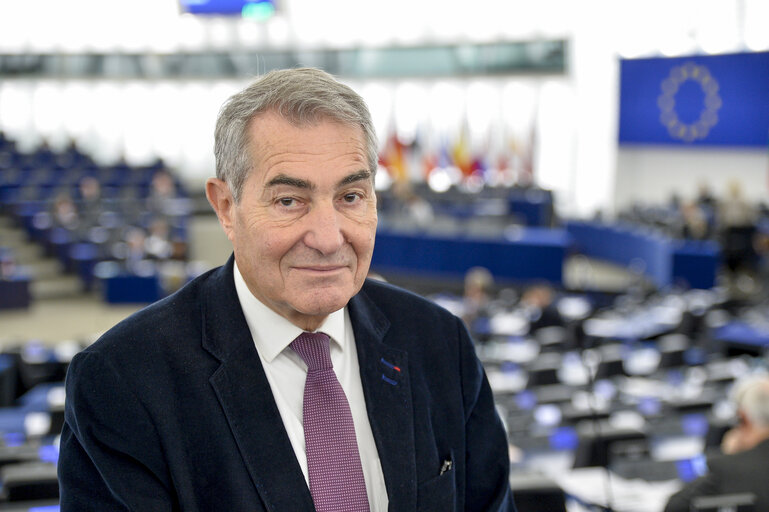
<point>702,486</point>
<point>487,456</point>
<point>110,456</point>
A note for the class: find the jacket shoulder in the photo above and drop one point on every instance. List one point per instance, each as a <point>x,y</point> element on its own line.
<point>744,462</point>
<point>175,317</point>
<point>397,302</point>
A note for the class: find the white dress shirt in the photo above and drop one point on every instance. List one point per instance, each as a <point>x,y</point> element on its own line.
<point>286,372</point>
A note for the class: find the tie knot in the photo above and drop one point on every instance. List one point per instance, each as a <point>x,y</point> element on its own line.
<point>314,349</point>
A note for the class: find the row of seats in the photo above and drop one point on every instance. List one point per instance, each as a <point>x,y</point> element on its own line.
<point>417,203</point>
<point>82,213</point>
<point>44,173</point>
<point>31,417</point>
<point>14,282</point>
<point>634,383</point>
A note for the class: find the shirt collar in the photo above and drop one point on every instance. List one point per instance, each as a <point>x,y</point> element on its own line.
<point>271,332</point>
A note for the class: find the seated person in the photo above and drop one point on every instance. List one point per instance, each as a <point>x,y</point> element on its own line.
<point>539,303</point>
<point>737,227</point>
<point>478,289</point>
<point>90,203</point>
<point>64,213</point>
<point>158,242</point>
<point>7,265</point>
<point>163,199</point>
<point>744,465</point>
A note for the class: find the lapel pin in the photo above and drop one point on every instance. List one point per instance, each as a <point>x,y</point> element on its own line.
<point>389,365</point>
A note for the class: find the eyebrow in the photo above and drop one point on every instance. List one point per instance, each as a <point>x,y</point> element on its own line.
<point>357,176</point>
<point>282,179</point>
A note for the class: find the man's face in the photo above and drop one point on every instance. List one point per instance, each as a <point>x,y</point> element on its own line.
<point>303,232</point>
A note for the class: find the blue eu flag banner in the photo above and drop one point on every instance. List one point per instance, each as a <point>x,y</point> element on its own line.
<point>717,100</point>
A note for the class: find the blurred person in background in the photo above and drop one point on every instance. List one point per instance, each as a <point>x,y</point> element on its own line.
<point>761,244</point>
<point>133,251</point>
<point>207,400</point>
<point>734,210</point>
<point>538,302</point>
<point>694,223</point>
<point>477,294</point>
<point>89,202</point>
<point>158,245</point>
<point>743,467</point>
<point>7,265</point>
<point>415,208</point>
<point>162,193</point>
<point>737,228</point>
<point>705,199</point>
<point>64,213</point>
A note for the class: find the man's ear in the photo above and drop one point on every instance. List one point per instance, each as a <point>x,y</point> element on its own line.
<point>743,419</point>
<point>221,200</point>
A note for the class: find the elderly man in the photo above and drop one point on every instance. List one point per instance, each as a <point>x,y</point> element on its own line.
<point>284,380</point>
<point>744,465</point>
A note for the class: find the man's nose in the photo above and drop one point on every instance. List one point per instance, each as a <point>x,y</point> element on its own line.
<point>324,232</point>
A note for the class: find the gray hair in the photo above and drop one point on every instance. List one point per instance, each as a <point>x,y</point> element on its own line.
<point>303,97</point>
<point>751,395</point>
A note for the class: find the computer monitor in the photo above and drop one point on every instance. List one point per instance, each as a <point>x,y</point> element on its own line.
<point>742,502</point>
<point>31,506</point>
<point>260,9</point>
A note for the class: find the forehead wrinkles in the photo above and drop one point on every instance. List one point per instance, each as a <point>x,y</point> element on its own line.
<point>269,154</point>
<point>270,129</point>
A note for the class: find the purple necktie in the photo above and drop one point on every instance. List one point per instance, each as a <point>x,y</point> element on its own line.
<point>336,474</point>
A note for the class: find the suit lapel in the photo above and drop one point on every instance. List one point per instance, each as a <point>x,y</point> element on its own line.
<point>246,399</point>
<point>385,379</point>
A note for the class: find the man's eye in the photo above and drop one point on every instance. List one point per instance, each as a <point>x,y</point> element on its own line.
<point>351,198</point>
<point>286,201</point>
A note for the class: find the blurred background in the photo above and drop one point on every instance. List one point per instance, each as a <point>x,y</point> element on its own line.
<point>583,182</point>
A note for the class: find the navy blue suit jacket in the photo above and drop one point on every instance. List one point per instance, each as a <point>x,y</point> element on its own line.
<point>171,410</point>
